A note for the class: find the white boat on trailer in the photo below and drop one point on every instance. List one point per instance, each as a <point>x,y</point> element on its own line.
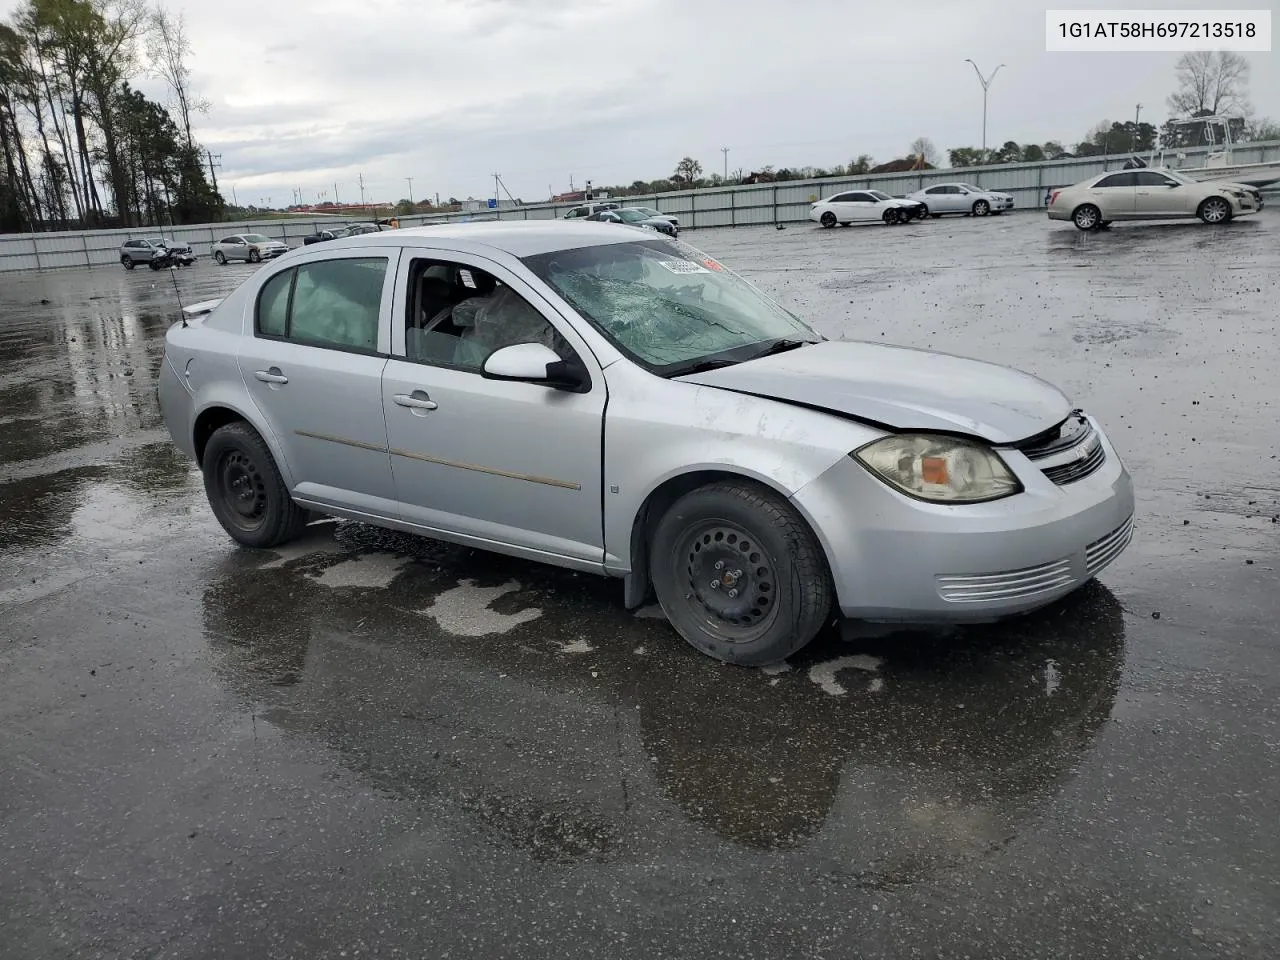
<point>1218,165</point>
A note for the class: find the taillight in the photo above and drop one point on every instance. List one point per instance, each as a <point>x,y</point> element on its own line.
<point>1053,196</point>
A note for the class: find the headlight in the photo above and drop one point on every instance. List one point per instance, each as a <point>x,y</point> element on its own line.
<point>940,469</point>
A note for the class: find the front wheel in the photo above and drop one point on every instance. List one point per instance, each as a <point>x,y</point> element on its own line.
<point>254,256</point>
<point>981,208</point>
<point>739,574</point>
<point>1086,216</point>
<point>892,216</point>
<point>1215,210</point>
<point>828,219</point>
<point>219,258</point>
<point>246,491</point>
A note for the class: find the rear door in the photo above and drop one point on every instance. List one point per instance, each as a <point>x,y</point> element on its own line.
<point>313,363</point>
<point>1115,195</point>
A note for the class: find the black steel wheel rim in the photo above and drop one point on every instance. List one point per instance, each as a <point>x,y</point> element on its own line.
<point>727,579</point>
<point>243,490</point>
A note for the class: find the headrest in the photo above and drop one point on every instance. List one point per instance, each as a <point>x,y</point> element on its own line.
<point>436,287</point>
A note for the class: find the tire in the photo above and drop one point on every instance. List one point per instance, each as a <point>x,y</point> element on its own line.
<point>126,261</point>
<point>892,216</point>
<point>245,489</point>
<point>828,219</point>
<point>1086,216</point>
<point>255,257</point>
<point>788,594</point>
<point>156,264</point>
<point>219,258</point>
<point>924,212</point>
<point>981,208</point>
<point>1214,210</point>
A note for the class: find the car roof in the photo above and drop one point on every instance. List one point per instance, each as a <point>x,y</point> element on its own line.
<point>519,238</point>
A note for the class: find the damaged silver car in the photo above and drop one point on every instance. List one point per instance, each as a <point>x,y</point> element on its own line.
<point>625,405</point>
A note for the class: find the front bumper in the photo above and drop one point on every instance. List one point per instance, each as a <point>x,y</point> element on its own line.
<point>896,559</point>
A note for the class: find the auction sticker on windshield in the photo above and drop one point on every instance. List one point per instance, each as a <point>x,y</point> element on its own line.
<point>683,266</point>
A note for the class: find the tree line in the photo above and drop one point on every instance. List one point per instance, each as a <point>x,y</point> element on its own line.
<point>81,147</point>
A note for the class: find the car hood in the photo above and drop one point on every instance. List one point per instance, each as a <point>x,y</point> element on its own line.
<point>901,388</point>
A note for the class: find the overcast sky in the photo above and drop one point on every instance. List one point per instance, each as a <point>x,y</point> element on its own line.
<point>309,93</point>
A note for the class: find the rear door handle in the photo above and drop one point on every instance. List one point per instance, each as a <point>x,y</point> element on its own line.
<point>271,376</point>
<point>418,400</point>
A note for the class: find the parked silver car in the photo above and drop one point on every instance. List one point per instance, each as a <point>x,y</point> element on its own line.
<point>1151,194</point>
<point>963,198</point>
<point>626,405</point>
<point>253,247</point>
<point>147,249</point>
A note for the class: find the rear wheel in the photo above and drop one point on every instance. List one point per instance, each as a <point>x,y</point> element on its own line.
<point>739,574</point>
<point>1086,216</point>
<point>219,258</point>
<point>828,219</point>
<point>246,491</point>
<point>126,261</point>
<point>1214,210</point>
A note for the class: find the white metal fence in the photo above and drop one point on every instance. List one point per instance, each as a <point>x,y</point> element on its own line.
<point>764,203</point>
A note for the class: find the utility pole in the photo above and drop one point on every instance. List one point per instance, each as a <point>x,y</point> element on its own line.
<point>234,201</point>
<point>335,194</point>
<point>362,189</point>
<point>496,196</point>
<point>410,179</point>
<point>213,176</point>
<point>1133,141</point>
<point>725,151</point>
<point>986,84</point>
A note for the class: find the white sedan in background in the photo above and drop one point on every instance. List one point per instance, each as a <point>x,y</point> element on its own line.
<point>855,206</point>
<point>963,198</point>
<point>253,247</point>
<point>1152,194</point>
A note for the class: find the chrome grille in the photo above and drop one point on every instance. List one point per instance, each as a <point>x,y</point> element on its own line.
<point>1105,549</point>
<point>1069,433</point>
<point>1010,585</point>
<point>1077,469</point>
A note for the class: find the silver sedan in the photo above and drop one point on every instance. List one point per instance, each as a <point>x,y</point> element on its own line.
<point>251,247</point>
<point>628,406</point>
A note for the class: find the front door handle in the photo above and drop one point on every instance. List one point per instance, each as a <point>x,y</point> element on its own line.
<point>418,400</point>
<point>271,376</point>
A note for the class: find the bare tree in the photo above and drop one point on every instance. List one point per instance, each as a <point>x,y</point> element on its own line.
<point>687,171</point>
<point>1211,82</point>
<point>923,147</point>
<point>169,47</point>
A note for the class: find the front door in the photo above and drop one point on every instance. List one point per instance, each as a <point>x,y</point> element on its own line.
<point>313,367</point>
<point>508,463</point>
<point>1156,195</point>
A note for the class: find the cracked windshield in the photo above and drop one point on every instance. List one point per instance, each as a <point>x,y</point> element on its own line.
<point>664,301</point>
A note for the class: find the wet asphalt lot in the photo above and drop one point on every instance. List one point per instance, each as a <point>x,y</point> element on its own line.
<point>369,745</point>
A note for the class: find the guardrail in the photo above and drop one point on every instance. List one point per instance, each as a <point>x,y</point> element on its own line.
<point>754,204</point>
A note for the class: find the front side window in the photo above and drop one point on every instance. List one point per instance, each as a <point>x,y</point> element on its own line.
<point>1116,180</point>
<point>457,315</point>
<point>329,303</point>
<point>664,303</point>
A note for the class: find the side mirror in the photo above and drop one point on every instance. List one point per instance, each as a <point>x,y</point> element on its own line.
<point>535,363</point>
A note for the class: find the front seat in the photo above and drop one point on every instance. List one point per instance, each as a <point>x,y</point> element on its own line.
<point>422,340</point>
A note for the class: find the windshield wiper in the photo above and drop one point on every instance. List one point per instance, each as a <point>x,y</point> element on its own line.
<point>700,366</point>
<point>779,346</point>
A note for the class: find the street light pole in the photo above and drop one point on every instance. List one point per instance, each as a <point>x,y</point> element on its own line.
<point>986,84</point>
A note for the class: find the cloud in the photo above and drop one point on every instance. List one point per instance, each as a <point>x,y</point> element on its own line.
<point>446,92</point>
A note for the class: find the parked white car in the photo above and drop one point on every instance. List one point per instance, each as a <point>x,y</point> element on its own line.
<point>861,206</point>
<point>253,247</point>
<point>962,198</point>
<point>1152,194</point>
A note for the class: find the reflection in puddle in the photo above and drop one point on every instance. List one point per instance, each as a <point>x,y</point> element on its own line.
<point>39,511</point>
<point>895,761</point>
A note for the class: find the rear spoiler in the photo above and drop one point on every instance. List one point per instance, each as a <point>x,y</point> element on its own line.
<point>201,308</point>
